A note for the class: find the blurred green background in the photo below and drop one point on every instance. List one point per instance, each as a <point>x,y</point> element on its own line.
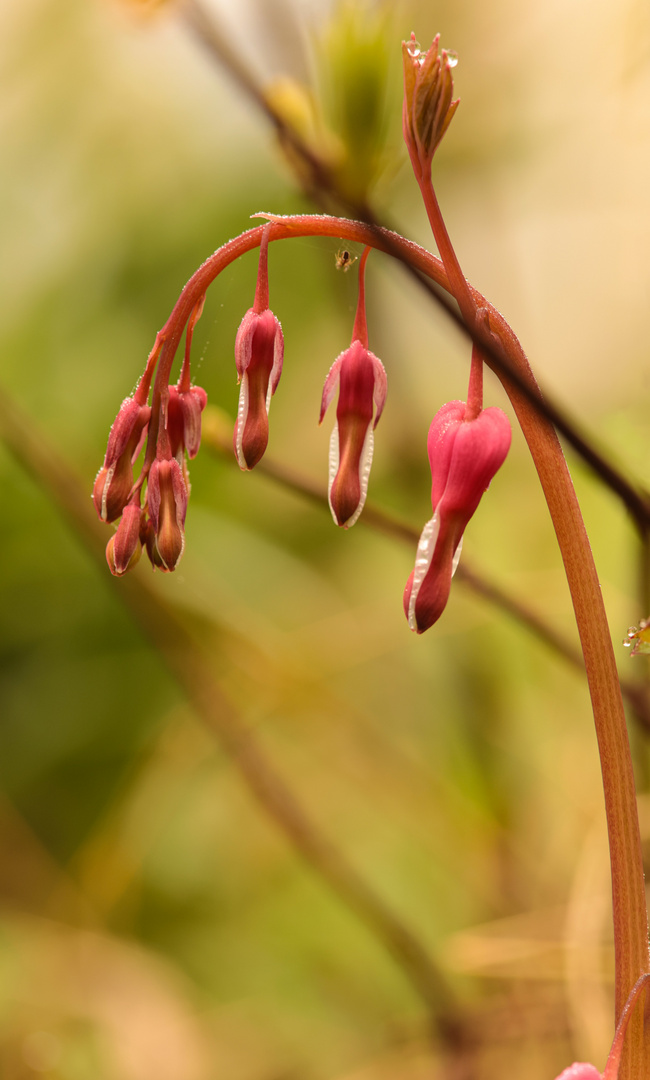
<point>153,921</point>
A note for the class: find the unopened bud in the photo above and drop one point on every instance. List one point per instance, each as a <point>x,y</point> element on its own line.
<point>428,109</point>
<point>167,499</point>
<point>361,379</point>
<point>124,548</point>
<point>259,352</point>
<point>184,419</point>
<point>115,479</point>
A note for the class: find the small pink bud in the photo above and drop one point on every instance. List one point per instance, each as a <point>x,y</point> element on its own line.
<point>124,547</point>
<point>464,456</point>
<point>184,410</point>
<point>259,352</point>
<point>361,379</point>
<point>167,499</point>
<point>115,479</point>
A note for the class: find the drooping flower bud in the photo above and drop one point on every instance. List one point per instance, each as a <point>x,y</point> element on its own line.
<point>259,352</point>
<point>167,500</point>
<point>124,548</point>
<point>115,479</point>
<point>184,410</point>
<point>361,380</point>
<point>148,541</point>
<point>464,456</point>
<point>428,109</point>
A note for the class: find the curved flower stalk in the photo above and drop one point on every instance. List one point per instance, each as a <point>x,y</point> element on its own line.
<point>504,353</point>
<point>361,381</point>
<point>259,353</point>
<point>628,890</point>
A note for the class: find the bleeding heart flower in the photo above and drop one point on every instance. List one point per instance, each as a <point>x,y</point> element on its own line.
<point>361,380</point>
<point>464,456</point>
<point>259,352</point>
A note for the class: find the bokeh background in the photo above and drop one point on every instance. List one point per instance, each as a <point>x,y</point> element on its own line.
<point>154,920</point>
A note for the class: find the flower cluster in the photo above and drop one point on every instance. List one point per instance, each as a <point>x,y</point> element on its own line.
<point>467,444</point>
<point>172,432</point>
<point>171,429</point>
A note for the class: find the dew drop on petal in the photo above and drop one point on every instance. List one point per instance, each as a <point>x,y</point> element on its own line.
<point>413,48</point>
<point>452,58</point>
<point>638,638</point>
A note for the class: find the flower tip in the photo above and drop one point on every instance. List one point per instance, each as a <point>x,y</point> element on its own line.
<point>406,600</point>
<point>167,497</point>
<point>428,107</point>
<point>250,444</point>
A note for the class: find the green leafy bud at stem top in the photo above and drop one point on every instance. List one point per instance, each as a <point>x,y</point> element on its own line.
<point>428,108</point>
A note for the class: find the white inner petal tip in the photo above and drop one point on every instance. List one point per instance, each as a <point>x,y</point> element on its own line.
<point>242,414</point>
<point>364,475</point>
<point>365,463</point>
<point>423,557</point>
<point>333,467</point>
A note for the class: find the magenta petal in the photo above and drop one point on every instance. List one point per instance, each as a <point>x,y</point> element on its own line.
<point>464,456</point>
